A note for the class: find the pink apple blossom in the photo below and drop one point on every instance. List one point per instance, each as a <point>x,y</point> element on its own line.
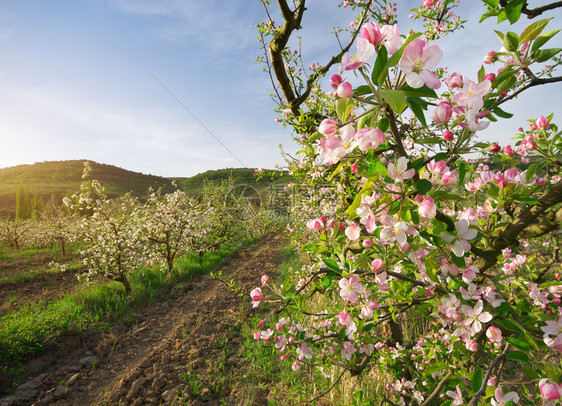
<point>345,90</point>
<point>427,208</point>
<point>256,297</point>
<point>400,171</point>
<point>542,123</point>
<point>348,350</point>
<point>353,232</point>
<point>456,396</point>
<point>460,241</point>
<point>549,390</point>
<point>494,334</point>
<point>395,230</point>
<point>369,138</point>
<point>328,127</point>
<point>476,316</point>
<point>377,265</point>
<point>371,32</point>
<point>335,81</point>
<point>449,178</point>
<point>315,224</point>
<point>365,51</point>
<point>351,288</point>
<point>442,113</point>
<point>454,81</point>
<point>264,279</point>
<point>448,136</point>
<point>392,39</point>
<point>501,399</point>
<point>416,62</point>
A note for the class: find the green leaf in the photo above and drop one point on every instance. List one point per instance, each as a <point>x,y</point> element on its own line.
<point>362,90</point>
<point>458,261</point>
<point>492,3</point>
<point>481,73</point>
<point>380,63</point>
<point>417,107</point>
<point>423,91</point>
<point>463,166</point>
<point>509,325</point>
<point>500,35</point>
<point>487,14</point>
<point>336,171</point>
<point>366,120</point>
<point>326,281</point>
<point>333,265</point>
<point>396,99</point>
<point>533,30</point>
<point>422,186</point>
<point>446,196</point>
<point>501,113</point>
<point>343,108</point>
<point>314,137</point>
<point>507,84</point>
<point>543,39</point>
<point>477,379</point>
<point>504,74</point>
<point>518,356</point>
<point>383,124</point>
<point>531,373</point>
<point>525,199</point>
<point>511,41</point>
<point>531,170</point>
<point>433,368</point>
<point>375,166</point>
<point>502,15</point>
<point>513,10</point>
<point>545,54</point>
<point>522,345</point>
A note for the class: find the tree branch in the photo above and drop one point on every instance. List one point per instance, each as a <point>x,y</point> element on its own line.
<point>482,390</point>
<point>532,83</point>
<point>535,12</point>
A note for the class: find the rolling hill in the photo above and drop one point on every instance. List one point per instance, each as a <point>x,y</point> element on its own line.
<point>55,179</point>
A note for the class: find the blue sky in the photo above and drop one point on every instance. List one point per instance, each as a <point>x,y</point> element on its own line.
<point>76,82</point>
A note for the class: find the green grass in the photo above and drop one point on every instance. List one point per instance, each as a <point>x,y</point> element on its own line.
<point>32,328</point>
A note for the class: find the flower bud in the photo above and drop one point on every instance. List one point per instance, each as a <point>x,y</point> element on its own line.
<point>335,81</point>
<point>490,76</point>
<point>495,148</point>
<point>371,33</point>
<point>491,57</point>
<point>442,113</point>
<point>448,136</point>
<point>542,122</point>
<point>328,127</point>
<point>345,91</point>
<point>549,390</point>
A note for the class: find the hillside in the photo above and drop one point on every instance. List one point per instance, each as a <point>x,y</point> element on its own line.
<point>55,179</point>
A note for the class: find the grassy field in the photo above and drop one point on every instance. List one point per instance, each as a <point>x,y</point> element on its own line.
<point>53,180</point>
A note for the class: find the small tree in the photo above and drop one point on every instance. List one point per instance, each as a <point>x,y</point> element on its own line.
<point>110,232</point>
<point>173,225</point>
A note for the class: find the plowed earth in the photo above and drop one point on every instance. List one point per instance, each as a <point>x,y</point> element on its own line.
<point>186,350</point>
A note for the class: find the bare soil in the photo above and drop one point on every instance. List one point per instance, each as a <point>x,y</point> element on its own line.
<point>44,286</point>
<point>185,350</point>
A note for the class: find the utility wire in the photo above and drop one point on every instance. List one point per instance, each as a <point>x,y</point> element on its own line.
<point>195,117</point>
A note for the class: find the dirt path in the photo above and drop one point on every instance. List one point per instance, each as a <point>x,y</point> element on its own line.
<point>184,350</point>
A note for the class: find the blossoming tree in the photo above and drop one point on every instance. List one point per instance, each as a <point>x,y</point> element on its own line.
<point>438,269</point>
